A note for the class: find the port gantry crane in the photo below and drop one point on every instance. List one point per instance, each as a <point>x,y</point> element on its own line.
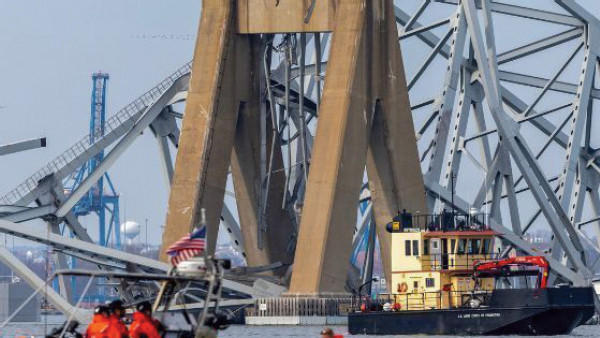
<point>102,199</point>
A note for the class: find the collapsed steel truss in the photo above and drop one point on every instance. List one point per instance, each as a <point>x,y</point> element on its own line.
<point>525,156</point>
<point>534,149</point>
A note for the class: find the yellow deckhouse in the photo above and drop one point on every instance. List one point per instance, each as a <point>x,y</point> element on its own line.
<point>432,260</point>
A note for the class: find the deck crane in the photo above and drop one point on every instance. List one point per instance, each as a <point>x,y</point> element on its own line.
<point>511,267</point>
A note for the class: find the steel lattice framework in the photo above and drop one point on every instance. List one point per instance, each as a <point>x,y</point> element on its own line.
<point>510,115</point>
<point>526,124</point>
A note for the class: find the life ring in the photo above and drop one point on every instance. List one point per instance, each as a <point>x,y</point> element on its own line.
<point>402,287</point>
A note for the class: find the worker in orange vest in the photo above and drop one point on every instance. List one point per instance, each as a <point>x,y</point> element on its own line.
<point>328,333</point>
<point>99,326</point>
<point>143,324</point>
<point>117,328</point>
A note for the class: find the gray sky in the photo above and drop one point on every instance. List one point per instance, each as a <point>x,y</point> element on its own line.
<point>48,51</point>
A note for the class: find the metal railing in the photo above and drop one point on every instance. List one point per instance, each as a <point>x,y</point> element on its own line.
<point>299,306</point>
<point>421,301</point>
<point>445,221</point>
<point>122,116</point>
<point>455,261</point>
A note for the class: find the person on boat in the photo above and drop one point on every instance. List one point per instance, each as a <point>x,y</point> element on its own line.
<point>99,326</point>
<point>143,324</point>
<point>328,333</point>
<point>117,328</point>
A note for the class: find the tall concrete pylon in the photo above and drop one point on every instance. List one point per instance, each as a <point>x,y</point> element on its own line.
<point>221,111</point>
<point>364,120</point>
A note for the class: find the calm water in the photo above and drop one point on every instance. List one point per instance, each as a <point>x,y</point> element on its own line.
<point>313,331</point>
<point>37,330</point>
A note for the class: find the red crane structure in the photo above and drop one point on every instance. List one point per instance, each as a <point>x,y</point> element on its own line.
<point>503,268</point>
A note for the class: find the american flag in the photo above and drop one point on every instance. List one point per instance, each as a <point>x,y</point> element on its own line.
<point>188,246</point>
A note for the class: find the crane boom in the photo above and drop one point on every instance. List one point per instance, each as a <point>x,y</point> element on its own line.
<point>497,267</point>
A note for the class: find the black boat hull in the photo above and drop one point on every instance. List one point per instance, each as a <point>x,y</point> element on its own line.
<point>510,312</point>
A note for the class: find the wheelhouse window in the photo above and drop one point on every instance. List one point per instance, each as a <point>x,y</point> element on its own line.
<point>478,246</point>
<point>426,247</point>
<point>407,248</point>
<point>474,246</point>
<point>429,282</point>
<point>415,247</point>
<point>462,246</point>
<point>452,246</point>
<point>486,246</point>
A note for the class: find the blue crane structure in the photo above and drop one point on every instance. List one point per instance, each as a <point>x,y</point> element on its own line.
<point>102,199</point>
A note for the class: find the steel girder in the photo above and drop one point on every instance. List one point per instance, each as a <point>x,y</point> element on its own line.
<point>81,315</point>
<point>510,134</point>
<point>124,125</point>
<point>103,255</point>
<point>568,194</point>
<point>463,206</point>
<point>16,147</point>
<point>48,194</point>
<point>147,117</point>
<point>116,127</point>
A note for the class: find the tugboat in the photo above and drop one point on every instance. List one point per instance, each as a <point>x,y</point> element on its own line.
<point>447,280</point>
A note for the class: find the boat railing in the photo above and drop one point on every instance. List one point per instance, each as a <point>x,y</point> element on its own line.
<point>413,301</point>
<point>456,261</point>
<point>444,221</point>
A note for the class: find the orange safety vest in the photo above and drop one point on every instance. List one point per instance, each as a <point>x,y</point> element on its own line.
<point>116,328</point>
<point>143,324</point>
<point>98,328</point>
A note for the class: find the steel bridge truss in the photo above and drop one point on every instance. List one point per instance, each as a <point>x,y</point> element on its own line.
<point>42,195</point>
<point>525,124</point>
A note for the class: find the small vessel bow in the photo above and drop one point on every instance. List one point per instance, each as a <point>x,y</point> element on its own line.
<point>200,273</point>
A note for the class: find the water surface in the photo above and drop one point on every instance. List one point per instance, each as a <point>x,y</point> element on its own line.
<point>39,330</point>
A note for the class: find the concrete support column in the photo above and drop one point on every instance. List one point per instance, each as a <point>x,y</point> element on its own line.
<point>338,160</point>
<point>395,178</point>
<point>365,107</point>
<point>219,76</point>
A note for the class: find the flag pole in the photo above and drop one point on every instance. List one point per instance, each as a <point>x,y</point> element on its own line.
<point>203,224</point>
